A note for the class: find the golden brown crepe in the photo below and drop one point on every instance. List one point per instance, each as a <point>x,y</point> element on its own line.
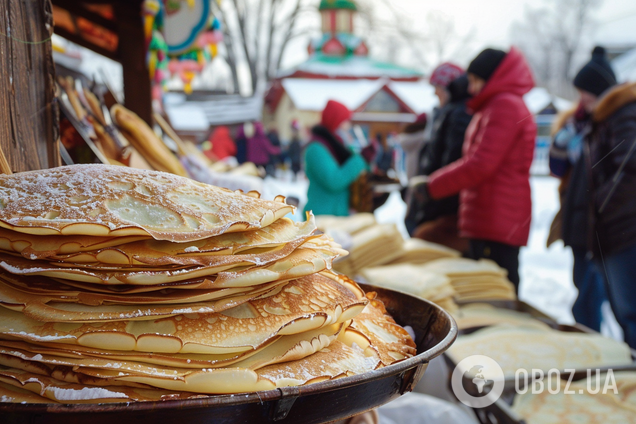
<point>301,305</point>
<point>104,200</point>
<point>142,251</point>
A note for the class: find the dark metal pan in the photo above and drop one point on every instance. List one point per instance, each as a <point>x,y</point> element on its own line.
<point>322,402</point>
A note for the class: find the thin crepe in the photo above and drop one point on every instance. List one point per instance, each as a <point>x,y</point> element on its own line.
<point>301,305</point>
<point>104,200</point>
<point>232,271</point>
<point>160,253</point>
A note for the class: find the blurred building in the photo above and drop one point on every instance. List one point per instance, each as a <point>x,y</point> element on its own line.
<point>193,116</point>
<point>383,96</point>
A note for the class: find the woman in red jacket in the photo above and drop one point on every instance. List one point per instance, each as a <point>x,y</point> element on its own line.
<point>493,175</point>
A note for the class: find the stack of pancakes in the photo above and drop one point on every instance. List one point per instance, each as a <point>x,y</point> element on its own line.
<point>411,279</point>
<point>474,280</point>
<point>119,284</point>
<point>375,245</point>
<point>352,224</point>
<point>418,251</point>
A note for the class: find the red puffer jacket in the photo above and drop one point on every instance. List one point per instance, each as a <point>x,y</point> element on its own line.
<point>493,175</point>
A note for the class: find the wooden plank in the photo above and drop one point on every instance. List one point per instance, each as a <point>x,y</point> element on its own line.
<point>28,110</point>
<point>132,56</point>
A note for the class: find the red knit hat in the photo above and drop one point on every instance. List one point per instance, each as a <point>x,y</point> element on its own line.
<point>422,118</point>
<point>445,73</point>
<point>334,115</point>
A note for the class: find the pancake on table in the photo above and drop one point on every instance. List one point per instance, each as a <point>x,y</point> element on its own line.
<point>537,346</point>
<point>561,407</point>
<point>126,285</point>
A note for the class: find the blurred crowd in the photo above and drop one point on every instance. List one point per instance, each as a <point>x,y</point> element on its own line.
<point>468,173</point>
<point>464,171</point>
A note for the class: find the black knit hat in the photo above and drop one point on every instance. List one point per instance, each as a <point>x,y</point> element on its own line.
<point>597,74</point>
<point>486,62</point>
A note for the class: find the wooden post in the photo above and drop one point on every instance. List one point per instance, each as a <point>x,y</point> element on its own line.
<point>28,110</point>
<point>132,55</point>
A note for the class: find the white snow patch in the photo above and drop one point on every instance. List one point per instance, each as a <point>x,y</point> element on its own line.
<point>85,393</point>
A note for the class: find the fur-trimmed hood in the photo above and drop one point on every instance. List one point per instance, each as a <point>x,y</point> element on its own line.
<point>613,100</point>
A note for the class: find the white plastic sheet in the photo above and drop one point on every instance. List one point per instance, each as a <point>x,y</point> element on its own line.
<point>416,408</point>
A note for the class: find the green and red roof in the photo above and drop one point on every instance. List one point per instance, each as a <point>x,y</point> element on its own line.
<point>337,4</point>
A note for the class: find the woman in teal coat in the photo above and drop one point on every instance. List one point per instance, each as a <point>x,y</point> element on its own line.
<point>330,166</point>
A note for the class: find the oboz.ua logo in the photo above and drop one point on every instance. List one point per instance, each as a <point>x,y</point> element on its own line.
<point>478,381</point>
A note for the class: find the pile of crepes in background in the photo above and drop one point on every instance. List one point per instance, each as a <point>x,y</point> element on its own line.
<point>517,340</point>
<point>117,136</point>
<point>122,285</point>
<point>381,256</point>
<point>586,400</point>
<point>536,345</point>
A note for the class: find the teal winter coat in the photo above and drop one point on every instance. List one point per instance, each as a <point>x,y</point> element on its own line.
<point>329,182</point>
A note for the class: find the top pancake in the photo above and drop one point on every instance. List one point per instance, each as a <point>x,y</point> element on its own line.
<point>103,200</point>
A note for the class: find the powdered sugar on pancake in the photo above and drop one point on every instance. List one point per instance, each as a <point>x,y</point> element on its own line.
<point>112,200</point>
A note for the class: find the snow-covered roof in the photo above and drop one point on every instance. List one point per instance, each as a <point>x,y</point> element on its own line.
<point>625,66</point>
<point>539,98</point>
<point>212,110</point>
<point>383,117</point>
<point>419,96</point>
<point>188,117</point>
<point>352,66</point>
<point>313,94</point>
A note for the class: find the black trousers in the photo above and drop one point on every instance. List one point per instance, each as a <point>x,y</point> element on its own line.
<point>505,255</point>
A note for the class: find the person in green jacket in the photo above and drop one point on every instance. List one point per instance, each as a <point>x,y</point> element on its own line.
<point>330,166</point>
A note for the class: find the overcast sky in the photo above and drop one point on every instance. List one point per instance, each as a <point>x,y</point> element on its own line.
<point>490,22</point>
<point>491,19</point>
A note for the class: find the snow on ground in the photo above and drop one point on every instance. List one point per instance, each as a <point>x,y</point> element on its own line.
<point>546,273</point>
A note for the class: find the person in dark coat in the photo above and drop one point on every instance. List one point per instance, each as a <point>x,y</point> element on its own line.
<point>294,150</point>
<point>611,166</point>
<point>440,79</point>
<point>244,132</point>
<point>438,219</point>
<point>568,164</point>
<point>384,157</point>
<point>274,159</point>
<point>493,175</point>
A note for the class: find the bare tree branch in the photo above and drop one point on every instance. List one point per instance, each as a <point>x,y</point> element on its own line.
<point>287,37</point>
<point>552,37</point>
